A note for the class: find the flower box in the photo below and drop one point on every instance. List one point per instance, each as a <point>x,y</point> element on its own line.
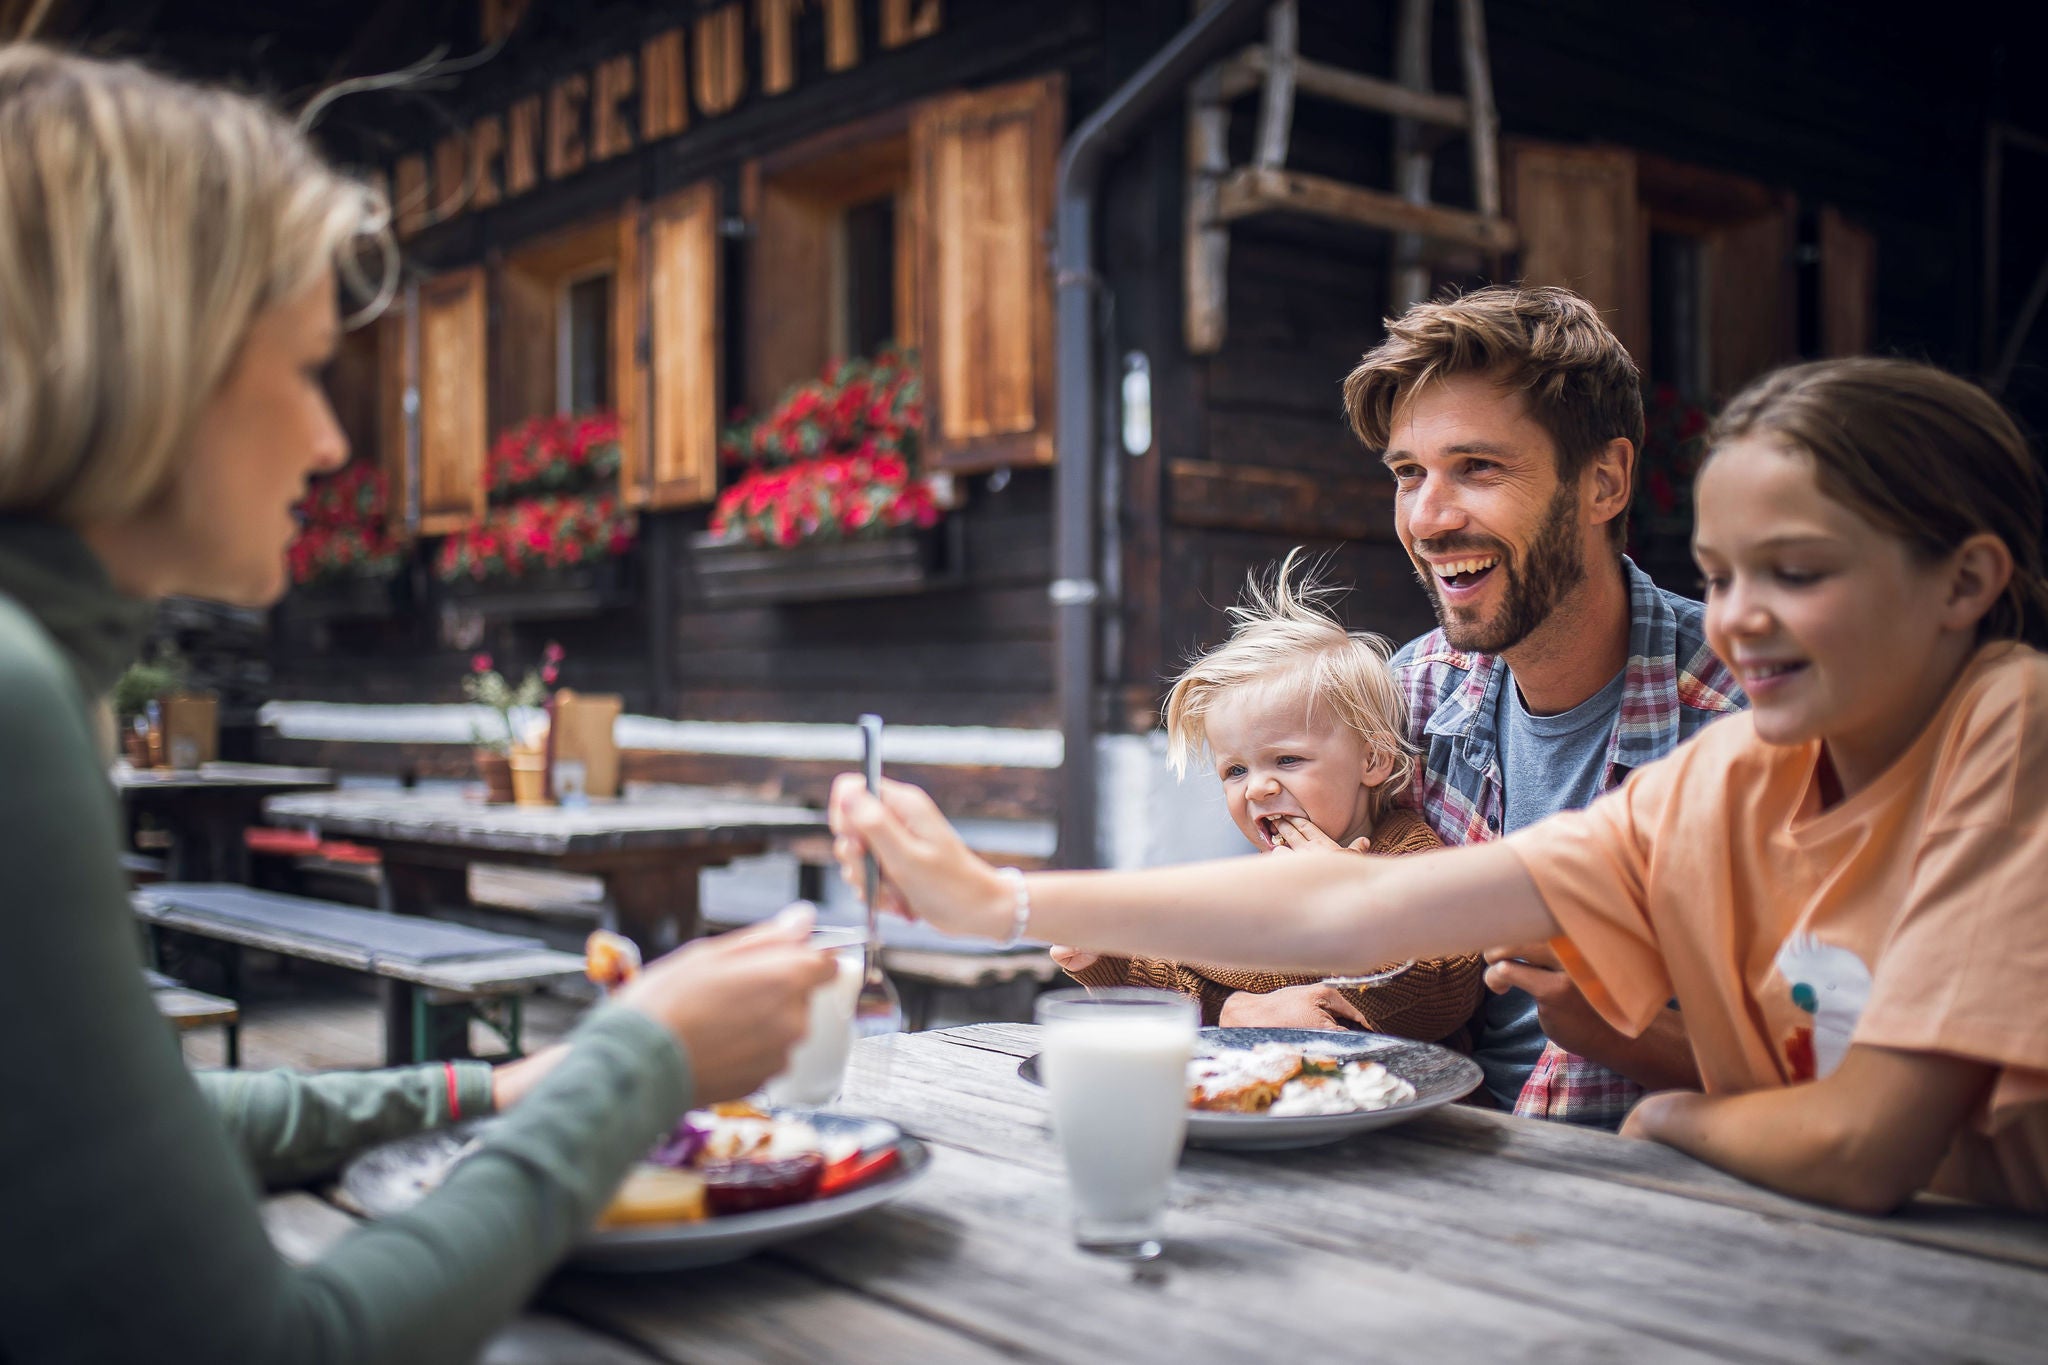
<point>735,573</point>
<point>346,598</point>
<point>578,590</point>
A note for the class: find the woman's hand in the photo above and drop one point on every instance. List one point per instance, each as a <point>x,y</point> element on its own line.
<point>928,872</point>
<point>1073,959</point>
<point>737,1003</point>
<point>1292,832</point>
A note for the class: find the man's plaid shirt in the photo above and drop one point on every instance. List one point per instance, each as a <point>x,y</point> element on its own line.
<point>1673,685</point>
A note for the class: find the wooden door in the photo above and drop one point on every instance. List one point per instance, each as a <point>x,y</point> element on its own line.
<point>982,166</point>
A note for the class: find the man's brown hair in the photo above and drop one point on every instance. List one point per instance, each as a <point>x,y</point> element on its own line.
<point>1545,343</point>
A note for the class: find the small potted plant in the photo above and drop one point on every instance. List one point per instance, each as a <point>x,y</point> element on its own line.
<point>141,690</point>
<point>495,752</point>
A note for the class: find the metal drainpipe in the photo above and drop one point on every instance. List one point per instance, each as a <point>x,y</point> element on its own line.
<point>1074,589</point>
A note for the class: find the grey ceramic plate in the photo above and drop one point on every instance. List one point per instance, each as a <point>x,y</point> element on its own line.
<point>1438,1074</point>
<point>392,1178</point>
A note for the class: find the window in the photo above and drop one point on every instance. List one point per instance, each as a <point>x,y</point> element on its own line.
<point>830,271</point>
<point>583,379</point>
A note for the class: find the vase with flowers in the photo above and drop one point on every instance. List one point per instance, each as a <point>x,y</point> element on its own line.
<point>515,742</point>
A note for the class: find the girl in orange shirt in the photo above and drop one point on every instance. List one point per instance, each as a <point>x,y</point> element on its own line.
<point>1841,887</point>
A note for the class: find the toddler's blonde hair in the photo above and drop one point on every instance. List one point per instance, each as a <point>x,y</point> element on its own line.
<point>1285,639</point>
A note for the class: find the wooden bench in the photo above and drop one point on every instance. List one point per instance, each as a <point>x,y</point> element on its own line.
<point>436,977</point>
<point>187,1009</point>
<point>142,868</point>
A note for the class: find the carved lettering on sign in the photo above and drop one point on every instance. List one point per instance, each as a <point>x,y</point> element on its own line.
<point>486,146</point>
<point>664,105</point>
<point>410,209</point>
<point>777,20</point>
<point>522,141</point>
<point>611,132</point>
<point>589,116</point>
<point>905,21</point>
<point>842,35</point>
<point>565,125</point>
<point>721,60</point>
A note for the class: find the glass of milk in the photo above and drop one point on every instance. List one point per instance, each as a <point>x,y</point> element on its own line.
<point>1115,1064</point>
<point>817,1064</point>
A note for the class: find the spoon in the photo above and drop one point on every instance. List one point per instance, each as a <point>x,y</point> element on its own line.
<point>877,1009</point>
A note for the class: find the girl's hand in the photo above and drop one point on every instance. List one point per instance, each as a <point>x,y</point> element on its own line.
<point>1293,832</point>
<point>928,872</point>
<point>1074,959</point>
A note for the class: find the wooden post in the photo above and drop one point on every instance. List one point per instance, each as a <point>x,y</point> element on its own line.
<point>1412,160</point>
<point>1276,104</point>
<point>1208,237</point>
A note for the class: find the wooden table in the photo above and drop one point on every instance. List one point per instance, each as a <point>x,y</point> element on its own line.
<point>207,809</point>
<point>649,852</point>
<point>1464,1235</point>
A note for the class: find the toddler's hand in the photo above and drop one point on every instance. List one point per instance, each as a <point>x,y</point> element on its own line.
<point>1292,832</point>
<point>1074,959</point>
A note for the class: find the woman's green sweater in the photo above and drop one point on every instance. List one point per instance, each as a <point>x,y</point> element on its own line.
<point>129,1186</point>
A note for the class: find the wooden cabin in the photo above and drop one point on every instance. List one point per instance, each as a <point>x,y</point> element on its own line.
<point>677,210</point>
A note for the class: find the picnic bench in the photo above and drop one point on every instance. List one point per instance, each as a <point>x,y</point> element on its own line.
<point>187,1009</point>
<point>207,809</point>
<point>435,977</point>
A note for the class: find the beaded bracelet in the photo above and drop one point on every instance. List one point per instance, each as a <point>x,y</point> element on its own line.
<point>1020,919</point>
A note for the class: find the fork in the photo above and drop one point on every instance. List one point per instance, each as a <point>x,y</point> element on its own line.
<point>1370,979</point>
<point>877,1009</point>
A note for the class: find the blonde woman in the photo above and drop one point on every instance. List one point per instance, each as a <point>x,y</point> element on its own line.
<point>167,303</point>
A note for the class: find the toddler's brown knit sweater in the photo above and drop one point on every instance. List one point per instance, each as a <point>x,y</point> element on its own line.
<point>1432,1001</point>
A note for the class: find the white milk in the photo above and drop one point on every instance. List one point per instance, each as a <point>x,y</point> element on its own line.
<point>818,1063</point>
<point>1119,1094</point>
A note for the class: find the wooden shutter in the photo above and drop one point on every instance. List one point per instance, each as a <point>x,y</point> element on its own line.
<point>982,168</point>
<point>629,356</point>
<point>1752,298</point>
<point>685,340</point>
<point>453,411</point>
<point>526,350</point>
<point>1848,285</point>
<point>1581,226</point>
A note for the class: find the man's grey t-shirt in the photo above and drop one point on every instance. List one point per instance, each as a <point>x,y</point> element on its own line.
<point>1547,764</point>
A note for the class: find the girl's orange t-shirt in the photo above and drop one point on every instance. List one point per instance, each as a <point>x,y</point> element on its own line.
<point>1912,915</point>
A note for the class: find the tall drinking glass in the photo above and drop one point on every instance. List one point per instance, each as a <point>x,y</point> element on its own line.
<point>1115,1065</point>
<point>817,1064</point>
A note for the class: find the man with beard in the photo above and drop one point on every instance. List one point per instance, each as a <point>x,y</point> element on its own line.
<point>1510,420</point>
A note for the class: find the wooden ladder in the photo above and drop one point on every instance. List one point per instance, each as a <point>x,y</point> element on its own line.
<point>1219,194</point>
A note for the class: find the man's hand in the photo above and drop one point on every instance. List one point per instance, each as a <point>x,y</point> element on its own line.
<point>1292,832</point>
<point>1661,1059</point>
<point>1311,1006</point>
<point>1074,959</point>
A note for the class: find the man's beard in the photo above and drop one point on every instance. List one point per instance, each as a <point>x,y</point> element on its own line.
<point>1556,565</point>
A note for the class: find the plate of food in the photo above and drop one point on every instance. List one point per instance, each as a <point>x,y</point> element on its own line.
<point>1297,1087</point>
<point>727,1182</point>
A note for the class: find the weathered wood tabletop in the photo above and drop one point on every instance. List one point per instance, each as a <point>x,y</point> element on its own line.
<point>649,850</point>
<point>1462,1235</point>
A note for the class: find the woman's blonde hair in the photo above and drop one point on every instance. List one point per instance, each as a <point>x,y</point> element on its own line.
<point>144,223</point>
<point>1284,638</point>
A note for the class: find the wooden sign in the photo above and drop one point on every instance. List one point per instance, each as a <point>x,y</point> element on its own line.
<point>630,100</point>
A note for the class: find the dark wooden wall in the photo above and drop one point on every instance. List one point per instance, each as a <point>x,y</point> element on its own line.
<point>1875,110</point>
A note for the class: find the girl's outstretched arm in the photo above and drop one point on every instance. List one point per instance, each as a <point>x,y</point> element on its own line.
<point>1866,1138</point>
<point>1308,912</point>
